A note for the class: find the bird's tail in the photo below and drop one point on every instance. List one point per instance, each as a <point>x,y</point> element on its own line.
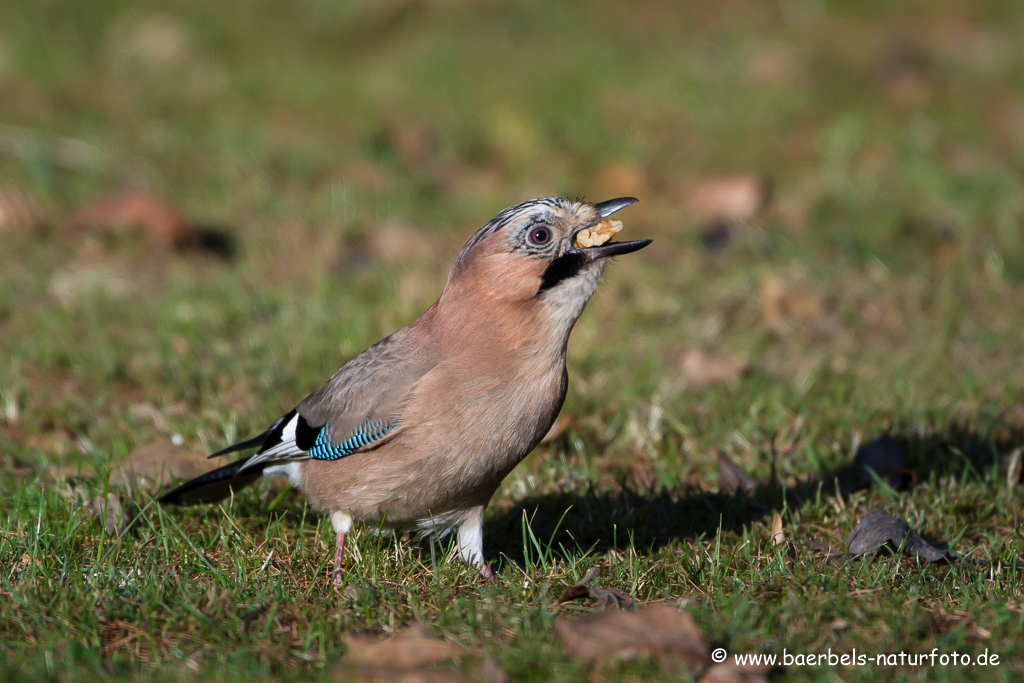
<point>214,485</point>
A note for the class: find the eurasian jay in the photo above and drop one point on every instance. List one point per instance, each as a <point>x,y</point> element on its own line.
<point>417,432</point>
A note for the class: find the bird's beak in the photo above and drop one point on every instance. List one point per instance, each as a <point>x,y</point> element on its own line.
<point>605,209</point>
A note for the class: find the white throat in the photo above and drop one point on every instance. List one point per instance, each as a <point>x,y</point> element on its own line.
<point>566,300</point>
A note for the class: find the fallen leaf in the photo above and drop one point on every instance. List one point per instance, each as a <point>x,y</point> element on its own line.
<point>730,672</point>
<point>886,458</point>
<point>372,674</point>
<point>778,536</point>
<point>732,479</point>
<point>157,464</point>
<point>735,198</point>
<point>1015,467</point>
<point>25,561</point>
<point>657,630</point>
<point>879,529</point>
<point>110,513</point>
<point>782,301</point>
<point>605,597</point>
<point>414,647</point>
<point>161,223</point>
<point>702,368</point>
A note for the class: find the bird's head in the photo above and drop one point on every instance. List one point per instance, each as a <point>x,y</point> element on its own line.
<point>530,255</point>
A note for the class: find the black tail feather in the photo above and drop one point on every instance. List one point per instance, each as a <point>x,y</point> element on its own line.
<point>214,485</point>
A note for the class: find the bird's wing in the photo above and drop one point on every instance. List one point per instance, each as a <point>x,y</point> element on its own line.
<point>357,409</point>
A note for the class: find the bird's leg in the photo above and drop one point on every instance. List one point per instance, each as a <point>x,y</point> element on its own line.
<point>339,543</point>
<point>471,541</point>
<point>342,524</point>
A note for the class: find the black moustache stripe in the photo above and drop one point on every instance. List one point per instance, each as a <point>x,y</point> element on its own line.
<point>565,266</point>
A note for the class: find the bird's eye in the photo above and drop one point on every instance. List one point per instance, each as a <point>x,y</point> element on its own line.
<point>540,236</point>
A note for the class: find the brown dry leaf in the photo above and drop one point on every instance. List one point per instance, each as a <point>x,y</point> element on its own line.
<point>778,535</point>
<point>736,198</point>
<point>782,301</point>
<point>605,597</point>
<point>658,630</point>
<point>161,223</point>
<point>156,464</point>
<point>21,565</point>
<point>702,368</point>
<point>414,647</point>
<point>732,479</point>
<point>372,674</point>
<point>730,672</point>
<point>20,212</point>
<point>110,513</point>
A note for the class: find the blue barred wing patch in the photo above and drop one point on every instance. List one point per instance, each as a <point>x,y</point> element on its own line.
<point>364,435</point>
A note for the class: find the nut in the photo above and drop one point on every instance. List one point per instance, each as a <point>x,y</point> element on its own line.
<point>596,235</point>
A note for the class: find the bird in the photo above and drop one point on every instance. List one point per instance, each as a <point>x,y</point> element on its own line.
<point>416,432</point>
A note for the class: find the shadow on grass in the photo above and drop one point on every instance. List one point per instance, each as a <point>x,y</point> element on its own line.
<point>573,522</point>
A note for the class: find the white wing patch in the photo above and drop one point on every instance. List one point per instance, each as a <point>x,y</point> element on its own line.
<point>284,450</point>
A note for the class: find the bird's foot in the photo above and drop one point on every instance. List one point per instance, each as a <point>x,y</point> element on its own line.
<point>486,572</point>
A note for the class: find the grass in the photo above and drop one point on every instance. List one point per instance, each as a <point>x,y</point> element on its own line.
<point>319,138</point>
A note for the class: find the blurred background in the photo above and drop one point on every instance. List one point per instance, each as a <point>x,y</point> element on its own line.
<point>206,207</point>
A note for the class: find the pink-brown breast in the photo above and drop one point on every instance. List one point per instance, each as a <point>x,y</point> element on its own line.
<point>465,425</point>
